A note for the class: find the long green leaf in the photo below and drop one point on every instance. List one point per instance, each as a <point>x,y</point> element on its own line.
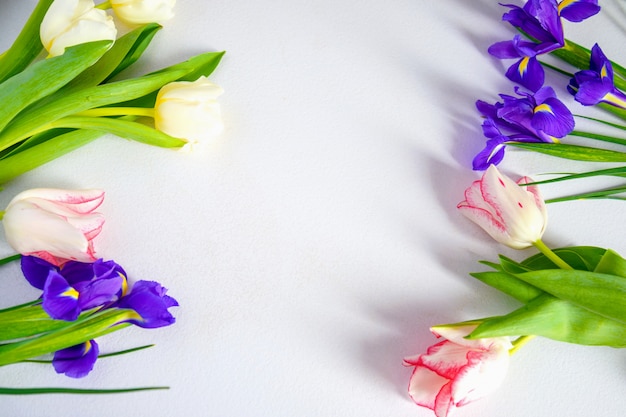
<point>123,128</point>
<point>610,193</point>
<point>57,390</point>
<point>27,45</point>
<point>75,333</point>
<point>509,285</point>
<point>556,319</point>
<point>603,294</point>
<point>574,152</point>
<point>45,77</point>
<point>124,52</point>
<point>35,156</point>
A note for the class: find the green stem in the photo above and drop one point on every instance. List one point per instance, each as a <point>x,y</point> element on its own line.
<point>32,391</point>
<point>104,6</point>
<point>10,258</point>
<point>519,342</point>
<point>551,255</point>
<point>117,111</point>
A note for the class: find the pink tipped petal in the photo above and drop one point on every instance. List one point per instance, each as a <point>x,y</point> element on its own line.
<point>443,402</point>
<point>79,201</point>
<point>451,374</point>
<point>445,358</point>
<point>512,214</point>
<point>55,225</point>
<point>424,386</point>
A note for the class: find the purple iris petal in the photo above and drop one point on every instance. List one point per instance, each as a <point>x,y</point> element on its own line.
<point>578,10</point>
<point>595,85</point>
<point>553,118</point>
<point>527,72</point>
<point>493,152</point>
<point>98,292</point>
<point>539,19</point>
<point>76,361</point>
<point>36,270</point>
<point>60,300</point>
<point>149,300</point>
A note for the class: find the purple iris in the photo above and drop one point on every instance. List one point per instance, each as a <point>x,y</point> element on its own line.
<point>76,361</point>
<point>595,85</point>
<point>149,300</point>
<point>76,286</point>
<point>538,117</point>
<point>540,20</point>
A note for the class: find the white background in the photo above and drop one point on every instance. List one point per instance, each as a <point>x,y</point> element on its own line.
<point>313,244</point>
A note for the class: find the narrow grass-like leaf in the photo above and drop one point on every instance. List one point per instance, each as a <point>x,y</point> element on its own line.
<point>574,152</point>
<point>614,172</point>
<point>56,390</point>
<point>595,136</point>
<point>27,45</point>
<point>45,77</point>
<point>603,294</point>
<point>610,194</point>
<point>106,355</point>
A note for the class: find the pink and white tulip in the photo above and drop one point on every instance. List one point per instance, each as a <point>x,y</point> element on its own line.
<point>457,371</point>
<point>513,215</point>
<point>55,225</point>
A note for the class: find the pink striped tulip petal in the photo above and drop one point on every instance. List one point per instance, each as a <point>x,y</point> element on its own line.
<point>450,374</point>
<point>55,225</point>
<point>513,215</point>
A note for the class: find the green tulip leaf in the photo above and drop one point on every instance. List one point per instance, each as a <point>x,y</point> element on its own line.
<point>39,118</point>
<point>556,319</point>
<point>603,294</point>
<point>27,45</point>
<point>195,67</point>
<point>578,257</point>
<point>43,148</point>
<point>611,263</point>
<point>124,129</point>
<point>509,284</point>
<point>45,77</point>
<point>124,52</point>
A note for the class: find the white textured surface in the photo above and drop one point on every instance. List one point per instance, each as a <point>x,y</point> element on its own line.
<point>315,242</point>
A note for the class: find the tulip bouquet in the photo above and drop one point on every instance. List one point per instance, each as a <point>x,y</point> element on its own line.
<point>62,86</point>
<point>570,294</point>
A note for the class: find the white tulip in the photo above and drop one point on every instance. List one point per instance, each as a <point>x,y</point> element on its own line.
<point>143,11</point>
<point>189,110</point>
<point>73,22</point>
